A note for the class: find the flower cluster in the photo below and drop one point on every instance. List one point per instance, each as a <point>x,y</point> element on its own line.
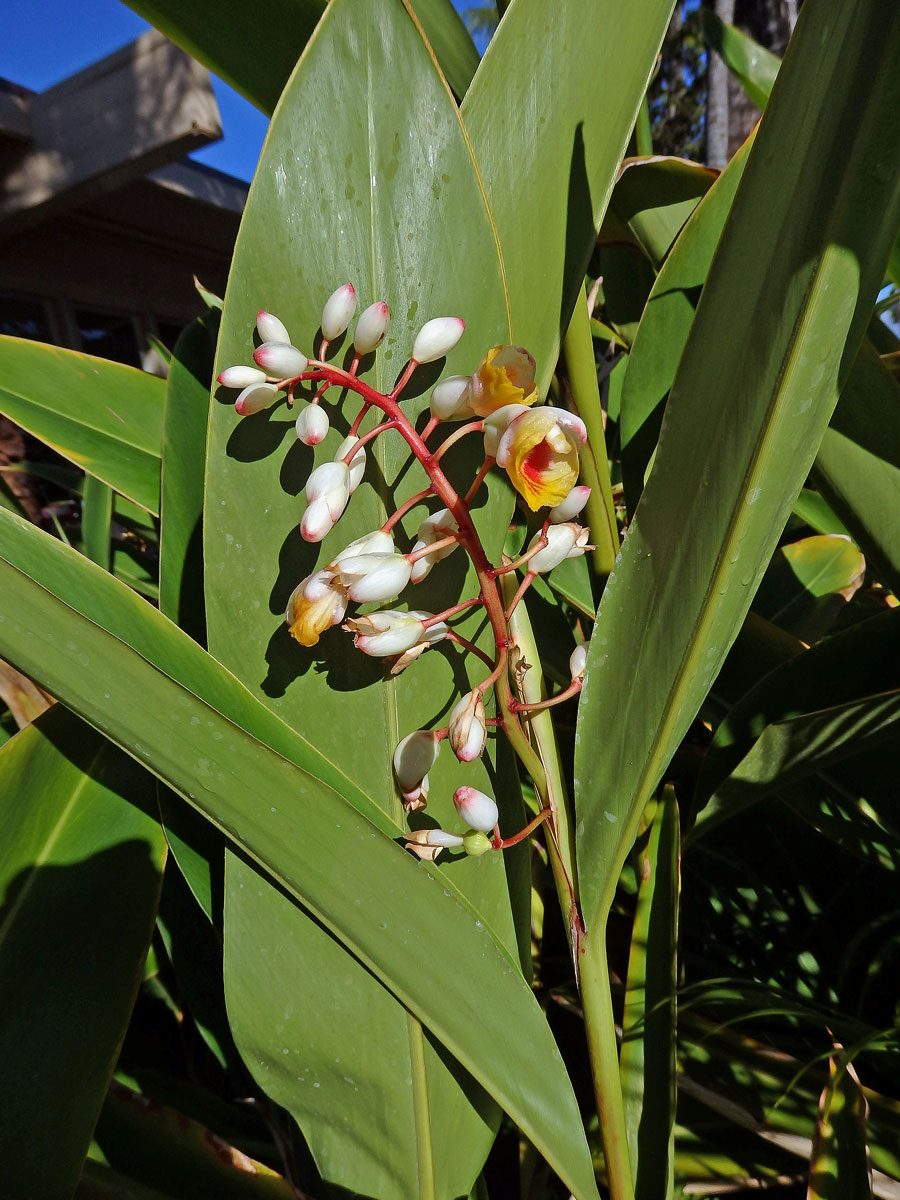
<point>537,446</point>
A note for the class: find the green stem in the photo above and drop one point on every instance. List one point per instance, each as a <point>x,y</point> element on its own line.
<point>421,1109</point>
<point>599,1024</point>
<point>578,352</point>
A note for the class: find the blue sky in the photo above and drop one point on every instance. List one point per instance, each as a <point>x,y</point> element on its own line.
<point>43,41</point>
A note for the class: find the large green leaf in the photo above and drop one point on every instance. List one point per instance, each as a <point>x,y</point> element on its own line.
<point>104,417</point>
<point>81,872</point>
<point>314,841</point>
<point>255,48</point>
<point>549,160</point>
<point>400,212</point>
<point>721,489</point>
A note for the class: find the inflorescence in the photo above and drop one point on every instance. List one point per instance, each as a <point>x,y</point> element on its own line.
<point>537,445</point>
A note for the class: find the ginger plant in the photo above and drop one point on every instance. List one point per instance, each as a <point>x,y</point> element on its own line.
<point>537,446</point>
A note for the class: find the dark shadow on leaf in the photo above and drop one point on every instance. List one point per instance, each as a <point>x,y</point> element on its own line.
<point>259,435</point>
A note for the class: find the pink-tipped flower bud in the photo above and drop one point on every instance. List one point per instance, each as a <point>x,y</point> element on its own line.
<point>280,360</point>
<point>496,425</point>
<point>388,632</point>
<point>571,506</point>
<point>468,728</point>
<point>437,338</point>
<point>475,843</point>
<point>476,809</point>
<point>253,398</point>
<point>327,493</point>
<point>450,399</point>
<point>414,757</point>
<point>317,521</point>
<point>240,377</point>
<point>374,578</point>
<point>312,425</point>
<point>578,661</point>
<point>339,309</point>
<point>270,329</point>
<point>371,327</point>
<point>567,540</point>
<point>357,462</point>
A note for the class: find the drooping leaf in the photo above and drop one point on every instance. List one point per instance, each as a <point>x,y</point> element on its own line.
<point>236,781</point>
<point>721,490</point>
<point>549,165</point>
<point>651,201</point>
<point>103,416</point>
<point>255,49</point>
<point>82,868</point>
<point>753,65</point>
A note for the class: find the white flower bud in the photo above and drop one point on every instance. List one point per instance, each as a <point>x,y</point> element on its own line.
<point>317,521</point>
<point>241,377</point>
<point>387,632</point>
<point>253,398</point>
<point>560,541</point>
<point>578,661</point>
<point>371,327</point>
<point>325,478</point>
<point>373,578</point>
<point>497,424</point>
<point>357,462</point>
<point>280,360</point>
<point>571,506</point>
<point>476,809</point>
<point>437,338</point>
<point>450,399</point>
<point>312,425</point>
<point>339,308</point>
<point>414,757</point>
<point>429,843</point>
<point>270,329</point>
<point>434,528</point>
<point>468,727</point>
<point>327,491</point>
<point>378,542</point>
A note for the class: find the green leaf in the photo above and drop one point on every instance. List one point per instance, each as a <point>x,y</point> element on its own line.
<point>74,836</point>
<point>824,705</point>
<point>184,457</point>
<point>96,515</point>
<point>754,67</point>
<point>647,1060</point>
<point>651,201</point>
<point>549,165</point>
<point>162,1148</point>
<point>839,1166</point>
<point>400,212</point>
<point>104,417</point>
<point>815,511</point>
<point>255,48</point>
<point>858,464</point>
<point>665,324</point>
<point>720,490</point>
<point>314,841</point>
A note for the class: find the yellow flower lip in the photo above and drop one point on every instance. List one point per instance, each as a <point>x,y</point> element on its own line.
<point>505,376</point>
<point>540,453</point>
